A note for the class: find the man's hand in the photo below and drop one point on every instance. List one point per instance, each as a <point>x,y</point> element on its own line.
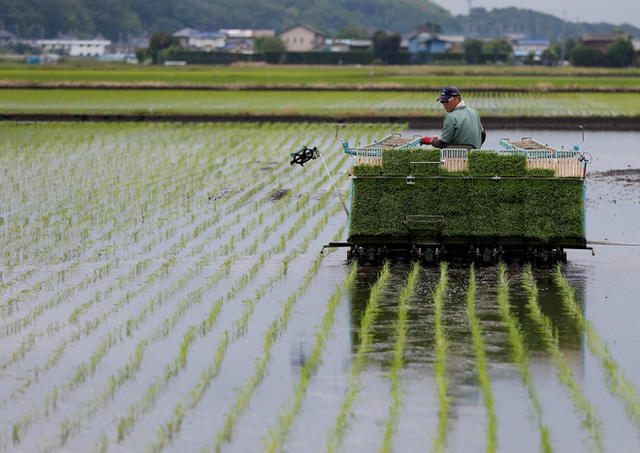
<point>427,140</point>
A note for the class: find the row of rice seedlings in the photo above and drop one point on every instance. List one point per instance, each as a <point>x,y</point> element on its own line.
<point>442,349</point>
<point>481,363</point>
<point>585,409</point>
<point>336,434</point>
<point>518,352</point>
<point>307,102</point>
<point>278,434</point>
<point>16,326</point>
<point>273,333</point>
<point>72,185</point>
<point>86,370</point>
<point>165,327</point>
<point>169,430</point>
<point>618,383</point>
<point>397,390</point>
<point>84,211</point>
<point>202,329</point>
<point>82,244</point>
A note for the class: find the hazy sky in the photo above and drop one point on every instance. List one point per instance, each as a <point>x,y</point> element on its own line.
<point>611,11</point>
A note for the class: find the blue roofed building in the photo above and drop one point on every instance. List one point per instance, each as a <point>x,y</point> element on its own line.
<point>425,46</point>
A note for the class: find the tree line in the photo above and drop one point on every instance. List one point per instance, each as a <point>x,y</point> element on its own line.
<point>386,50</point>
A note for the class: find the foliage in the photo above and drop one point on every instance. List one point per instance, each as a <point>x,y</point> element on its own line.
<point>489,164</point>
<point>583,55</point>
<point>493,51</point>
<point>269,44</point>
<point>159,42</point>
<point>621,53</point>
<point>486,205</point>
<point>119,20</point>
<point>386,46</point>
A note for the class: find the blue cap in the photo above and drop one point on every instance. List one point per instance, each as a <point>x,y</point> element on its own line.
<point>448,92</point>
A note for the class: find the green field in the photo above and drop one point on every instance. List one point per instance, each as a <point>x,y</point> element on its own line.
<point>419,77</point>
<point>308,102</point>
<point>164,287</point>
<point>329,93</point>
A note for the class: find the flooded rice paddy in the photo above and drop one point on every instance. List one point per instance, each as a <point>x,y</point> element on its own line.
<point>162,288</point>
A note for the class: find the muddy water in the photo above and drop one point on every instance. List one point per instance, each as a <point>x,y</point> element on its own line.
<point>607,288</point>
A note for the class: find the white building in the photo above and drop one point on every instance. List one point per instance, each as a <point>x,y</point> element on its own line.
<point>74,47</point>
<point>190,38</point>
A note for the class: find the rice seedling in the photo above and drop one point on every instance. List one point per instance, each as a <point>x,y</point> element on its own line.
<point>585,409</point>
<point>173,368</point>
<point>481,363</point>
<point>397,392</point>
<point>312,102</point>
<point>337,433</point>
<point>442,347</point>
<point>519,355</point>
<point>618,383</point>
<point>278,435</point>
<point>136,268</point>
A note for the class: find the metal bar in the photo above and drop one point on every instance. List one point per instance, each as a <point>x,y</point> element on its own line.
<point>623,244</point>
<point>334,185</point>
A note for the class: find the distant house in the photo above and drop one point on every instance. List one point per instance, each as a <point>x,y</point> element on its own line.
<point>347,45</point>
<point>423,45</point>
<point>74,47</point>
<point>244,40</point>
<point>192,39</point>
<point>523,48</point>
<point>7,39</point>
<point>601,40</point>
<point>302,38</point>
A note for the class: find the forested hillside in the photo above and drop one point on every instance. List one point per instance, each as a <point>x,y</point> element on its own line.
<point>120,19</point>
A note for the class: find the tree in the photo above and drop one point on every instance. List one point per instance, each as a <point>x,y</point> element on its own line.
<point>497,50</point>
<point>385,46</point>
<point>162,40</point>
<point>159,41</point>
<point>582,55</point>
<point>492,51</point>
<point>270,44</point>
<point>620,53</point>
<point>473,51</point>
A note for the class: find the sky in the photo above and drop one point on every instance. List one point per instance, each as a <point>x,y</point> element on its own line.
<point>615,12</point>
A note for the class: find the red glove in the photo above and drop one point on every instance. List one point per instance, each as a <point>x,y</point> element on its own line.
<point>427,140</point>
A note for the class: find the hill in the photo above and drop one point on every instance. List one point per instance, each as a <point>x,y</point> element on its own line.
<point>120,19</point>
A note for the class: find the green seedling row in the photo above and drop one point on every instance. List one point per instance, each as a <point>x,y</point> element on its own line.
<point>442,348</point>
<point>147,271</point>
<point>585,409</point>
<point>301,103</point>
<point>166,327</point>
<point>397,391</point>
<point>519,355</point>
<point>338,431</point>
<point>482,363</point>
<point>619,384</point>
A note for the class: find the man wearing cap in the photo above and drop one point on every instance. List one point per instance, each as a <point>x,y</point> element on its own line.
<point>461,126</point>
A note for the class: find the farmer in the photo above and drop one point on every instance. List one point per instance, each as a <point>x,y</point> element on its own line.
<point>461,127</point>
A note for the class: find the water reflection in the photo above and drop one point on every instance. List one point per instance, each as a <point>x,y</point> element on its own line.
<point>461,358</point>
